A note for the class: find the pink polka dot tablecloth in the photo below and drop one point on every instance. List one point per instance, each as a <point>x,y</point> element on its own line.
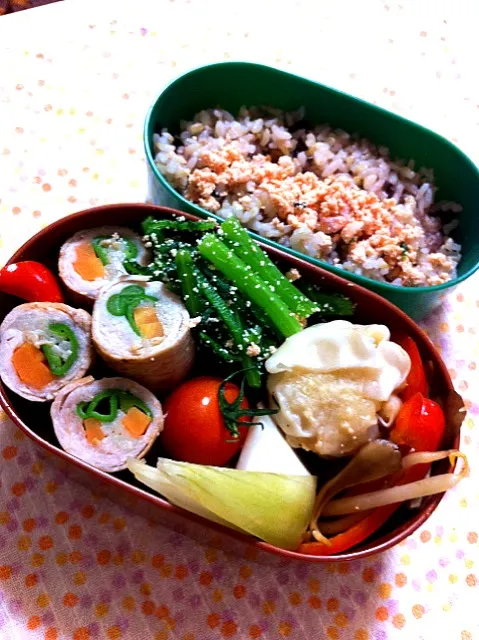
<point>76,80</point>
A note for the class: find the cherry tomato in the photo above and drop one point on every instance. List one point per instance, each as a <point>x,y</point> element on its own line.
<point>31,281</point>
<point>416,380</point>
<point>194,427</point>
<point>420,424</point>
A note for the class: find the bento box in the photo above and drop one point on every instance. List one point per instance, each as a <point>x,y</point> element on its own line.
<point>34,418</point>
<point>233,85</point>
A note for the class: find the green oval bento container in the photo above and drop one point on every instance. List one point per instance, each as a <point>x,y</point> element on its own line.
<point>231,85</point>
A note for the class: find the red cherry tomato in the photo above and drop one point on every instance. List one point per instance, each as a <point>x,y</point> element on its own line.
<point>416,380</point>
<point>31,281</point>
<point>420,424</point>
<point>194,427</point>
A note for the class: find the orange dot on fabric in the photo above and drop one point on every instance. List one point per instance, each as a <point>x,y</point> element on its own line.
<point>245,571</point>
<point>37,467</point>
<point>51,487</point>
<point>5,572</point>
<point>129,603</point>
<point>31,580</point>
<point>229,629</point>
<point>101,609</point>
<point>75,557</point>
<point>399,621</point>
<point>314,602</point>
<point>213,620</point>
<point>313,585</point>
<point>361,634</point>
<point>217,595</point>
<point>37,560</point>
<point>254,631</point>
<point>43,600</point>
<point>343,568</point>
<point>72,182</point>
<point>70,599</point>
<point>81,633</point>
<point>114,633</point>
<point>51,633</point>
<point>471,580</point>
<point>145,589</point>
<point>24,543</point>
<point>206,578</point>
<point>61,517</point>
<point>161,635</point>
<point>466,635</point>
<point>211,555</point>
<point>74,532</point>
<point>382,614</point>
<point>472,537</point>
<point>157,560</point>
<point>332,604</point>
<point>341,620</point>
<point>10,452</point>
<point>332,633</point>
<point>71,199</point>
<point>45,542</point>
<point>34,622</point>
<point>400,580</point>
<point>369,574</point>
<point>88,511</point>
<point>418,611</point>
<point>284,629</point>
<point>268,607</point>
<point>103,557</point>
<point>295,598</point>
<point>166,570</point>
<point>148,607</point>
<point>162,612</point>
<point>239,591</point>
<point>18,489</point>
<point>181,572</point>
<point>385,590</point>
<point>119,524</point>
<point>425,536</point>
<point>138,556</point>
<point>46,187</point>
<point>4,517</point>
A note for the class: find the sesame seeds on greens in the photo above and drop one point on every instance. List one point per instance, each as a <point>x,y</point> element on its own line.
<point>245,304</point>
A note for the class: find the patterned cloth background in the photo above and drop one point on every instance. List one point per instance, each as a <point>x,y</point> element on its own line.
<point>76,80</point>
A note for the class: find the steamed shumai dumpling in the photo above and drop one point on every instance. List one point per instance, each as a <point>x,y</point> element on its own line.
<point>330,382</point>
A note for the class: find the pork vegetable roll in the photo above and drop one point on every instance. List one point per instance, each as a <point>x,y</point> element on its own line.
<point>142,330</point>
<point>43,346</point>
<point>105,422</point>
<point>91,258</point>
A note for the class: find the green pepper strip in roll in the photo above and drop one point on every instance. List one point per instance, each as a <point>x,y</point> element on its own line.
<point>58,366</point>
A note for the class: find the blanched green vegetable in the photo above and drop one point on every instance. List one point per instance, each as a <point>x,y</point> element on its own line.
<point>273,507</point>
<point>238,240</point>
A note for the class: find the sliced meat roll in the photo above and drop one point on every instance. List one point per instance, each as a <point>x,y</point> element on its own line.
<point>105,422</point>
<point>43,346</point>
<point>91,258</point>
<point>142,330</point>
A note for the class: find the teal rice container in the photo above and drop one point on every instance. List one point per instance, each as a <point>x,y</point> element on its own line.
<point>231,85</point>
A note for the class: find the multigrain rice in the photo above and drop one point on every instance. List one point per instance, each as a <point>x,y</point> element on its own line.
<point>321,191</point>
